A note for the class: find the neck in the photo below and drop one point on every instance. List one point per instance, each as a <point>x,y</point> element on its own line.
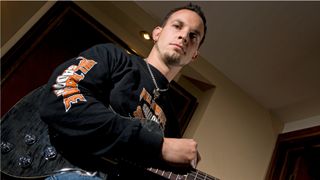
<point>168,71</point>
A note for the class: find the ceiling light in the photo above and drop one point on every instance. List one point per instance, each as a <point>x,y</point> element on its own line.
<point>145,35</point>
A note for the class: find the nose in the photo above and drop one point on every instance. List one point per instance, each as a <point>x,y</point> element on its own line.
<point>184,36</point>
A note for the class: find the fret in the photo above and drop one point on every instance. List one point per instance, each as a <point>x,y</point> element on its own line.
<point>192,175</point>
<point>181,177</point>
<point>167,174</point>
<point>150,169</point>
<point>177,177</point>
<point>198,175</point>
<point>173,176</point>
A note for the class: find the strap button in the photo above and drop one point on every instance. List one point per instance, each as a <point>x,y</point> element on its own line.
<point>49,153</point>
<point>25,161</point>
<point>6,147</point>
<point>30,139</point>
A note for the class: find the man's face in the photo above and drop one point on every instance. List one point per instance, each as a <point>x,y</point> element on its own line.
<point>178,41</point>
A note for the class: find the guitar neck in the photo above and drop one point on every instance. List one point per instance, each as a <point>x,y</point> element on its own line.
<point>192,175</point>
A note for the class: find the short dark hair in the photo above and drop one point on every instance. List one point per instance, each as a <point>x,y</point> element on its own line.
<point>193,7</point>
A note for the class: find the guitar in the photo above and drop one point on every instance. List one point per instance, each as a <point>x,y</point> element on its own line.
<point>26,151</point>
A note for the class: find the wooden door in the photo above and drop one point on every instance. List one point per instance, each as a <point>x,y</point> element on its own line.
<point>296,156</point>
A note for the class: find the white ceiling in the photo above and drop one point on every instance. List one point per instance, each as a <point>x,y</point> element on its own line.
<point>269,49</point>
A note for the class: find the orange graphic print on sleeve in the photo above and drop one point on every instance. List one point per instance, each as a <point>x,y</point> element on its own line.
<point>67,83</point>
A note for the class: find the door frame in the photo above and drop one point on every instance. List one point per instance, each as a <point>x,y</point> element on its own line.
<point>287,144</point>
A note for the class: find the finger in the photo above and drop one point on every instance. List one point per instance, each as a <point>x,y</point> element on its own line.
<point>194,163</point>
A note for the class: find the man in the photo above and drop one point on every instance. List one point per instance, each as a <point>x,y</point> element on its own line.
<point>108,104</point>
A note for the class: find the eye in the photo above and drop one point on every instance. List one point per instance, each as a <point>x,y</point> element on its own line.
<point>193,36</point>
<point>176,26</point>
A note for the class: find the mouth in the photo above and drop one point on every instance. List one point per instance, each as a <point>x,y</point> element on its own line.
<point>179,47</point>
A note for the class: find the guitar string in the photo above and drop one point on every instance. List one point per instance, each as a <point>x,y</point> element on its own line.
<point>196,175</point>
<point>202,175</point>
<point>178,176</point>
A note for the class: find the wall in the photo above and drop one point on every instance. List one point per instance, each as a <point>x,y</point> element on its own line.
<point>235,132</point>
<point>17,18</point>
<point>13,22</point>
<point>236,135</point>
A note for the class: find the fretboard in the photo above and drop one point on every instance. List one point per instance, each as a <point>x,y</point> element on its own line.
<point>192,175</point>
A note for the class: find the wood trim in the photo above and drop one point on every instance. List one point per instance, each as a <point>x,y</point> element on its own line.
<point>287,143</point>
<point>18,55</point>
<point>13,58</point>
<point>185,107</point>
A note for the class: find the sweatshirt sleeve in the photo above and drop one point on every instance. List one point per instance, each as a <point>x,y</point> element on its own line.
<point>76,109</point>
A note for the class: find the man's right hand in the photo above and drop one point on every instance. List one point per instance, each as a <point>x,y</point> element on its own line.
<point>180,151</point>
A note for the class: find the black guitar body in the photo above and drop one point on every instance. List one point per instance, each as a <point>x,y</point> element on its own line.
<point>25,143</point>
<point>27,153</point>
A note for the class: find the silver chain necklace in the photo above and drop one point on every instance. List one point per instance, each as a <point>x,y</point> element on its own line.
<point>156,92</point>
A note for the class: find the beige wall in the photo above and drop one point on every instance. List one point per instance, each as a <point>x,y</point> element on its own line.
<point>236,135</point>
<point>14,15</point>
<point>17,18</point>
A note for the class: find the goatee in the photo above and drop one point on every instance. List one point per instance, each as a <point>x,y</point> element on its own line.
<point>172,59</point>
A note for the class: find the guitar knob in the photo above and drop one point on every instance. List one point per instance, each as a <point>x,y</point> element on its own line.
<point>25,161</point>
<point>6,147</point>
<point>49,153</point>
<point>30,139</point>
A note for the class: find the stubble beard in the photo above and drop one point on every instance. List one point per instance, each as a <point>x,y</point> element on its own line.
<point>170,59</point>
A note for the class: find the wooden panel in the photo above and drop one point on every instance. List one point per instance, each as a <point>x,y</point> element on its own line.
<point>296,156</point>
<point>63,32</point>
<point>184,104</point>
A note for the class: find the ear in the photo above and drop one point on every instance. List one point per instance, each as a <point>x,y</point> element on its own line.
<point>195,55</point>
<point>156,33</point>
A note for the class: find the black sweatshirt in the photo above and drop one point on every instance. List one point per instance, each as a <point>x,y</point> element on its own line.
<point>101,104</point>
